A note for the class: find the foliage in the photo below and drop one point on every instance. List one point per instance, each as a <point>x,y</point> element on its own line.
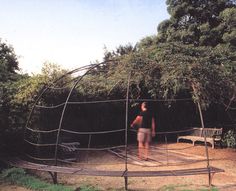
<point>202,23</point>
<point>229,139</point>
<point>8,63</point>
<point>196,47</point>
<point>18,176</point>
<point>28,87</point>
<point>167,69</point>
<point>18,97</point>
<point>195,69</point>
<point>50,72</point>
<point>193,52</point>
<point>8,75</point>
<point>204,32</point>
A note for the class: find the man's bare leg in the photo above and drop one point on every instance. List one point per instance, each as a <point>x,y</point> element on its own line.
<point>140,150</point>
<point>146,150</point>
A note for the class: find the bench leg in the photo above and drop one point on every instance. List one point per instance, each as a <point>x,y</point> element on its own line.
<point>193,143</point>
<point>221,146</point>
<point>54,177</point>
<point>212,144</point>
<point>210,179</point>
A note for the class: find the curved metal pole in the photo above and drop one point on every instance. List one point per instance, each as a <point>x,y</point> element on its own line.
<point>43,90</point>
<point>63,112</point>
<point>65,106</point>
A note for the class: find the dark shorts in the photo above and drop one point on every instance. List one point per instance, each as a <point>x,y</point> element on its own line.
<point>144,135</point>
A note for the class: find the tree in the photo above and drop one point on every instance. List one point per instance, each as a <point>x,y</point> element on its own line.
<point>202,23</point>
<point>19,91</point>
<point>8,62</point>
<point>194,48</point>
<point>8,75</point>
<point>28,87</point>
<point>200,36</point>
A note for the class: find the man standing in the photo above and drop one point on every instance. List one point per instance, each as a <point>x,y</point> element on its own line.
<point>146,130</point>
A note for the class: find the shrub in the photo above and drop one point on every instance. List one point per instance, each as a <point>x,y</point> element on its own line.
<point>229,139</point>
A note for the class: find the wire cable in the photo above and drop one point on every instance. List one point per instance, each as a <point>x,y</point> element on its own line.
<point>93,132</point>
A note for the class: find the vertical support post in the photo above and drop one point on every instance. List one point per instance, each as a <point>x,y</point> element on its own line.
<point>126,132</point>
<point>167,154</point>
<point>87,152</point>
<point>203,126</point>
<point>206,148</point>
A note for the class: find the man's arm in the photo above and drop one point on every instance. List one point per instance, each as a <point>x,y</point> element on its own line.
<point>137,121</point>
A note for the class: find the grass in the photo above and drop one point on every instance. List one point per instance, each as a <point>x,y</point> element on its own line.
<point>87,188</point>
<point>185,188</point>
<point>18,176</point>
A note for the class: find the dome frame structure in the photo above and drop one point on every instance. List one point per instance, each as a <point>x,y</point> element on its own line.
<point>84,71</point>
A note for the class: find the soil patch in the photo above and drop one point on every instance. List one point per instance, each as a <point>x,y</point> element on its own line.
<point>178,156</point>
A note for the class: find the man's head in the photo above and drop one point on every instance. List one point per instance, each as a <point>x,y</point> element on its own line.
<point>144,106</point>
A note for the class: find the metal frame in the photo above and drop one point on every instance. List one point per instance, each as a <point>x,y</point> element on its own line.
<point>127,100</point>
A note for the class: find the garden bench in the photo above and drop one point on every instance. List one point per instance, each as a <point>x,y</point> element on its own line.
<point>70,150</point>
<point>213,135</point>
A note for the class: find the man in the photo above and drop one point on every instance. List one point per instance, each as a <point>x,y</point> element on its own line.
<point>146,130</point>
